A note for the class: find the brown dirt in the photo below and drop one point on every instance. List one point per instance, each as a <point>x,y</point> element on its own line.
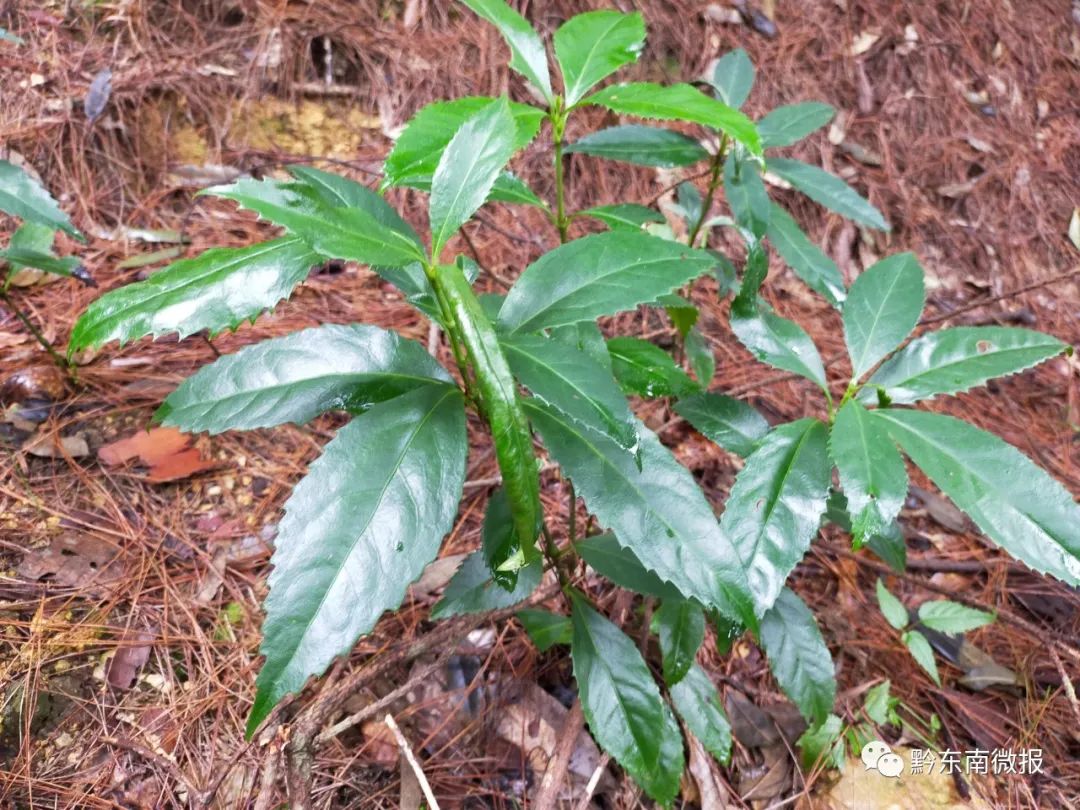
<point>178,584</point>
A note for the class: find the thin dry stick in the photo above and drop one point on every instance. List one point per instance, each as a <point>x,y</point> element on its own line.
<point>411,759</point>
<point>594,782</point>
<point>1066,682</point>
<point>548,793</point>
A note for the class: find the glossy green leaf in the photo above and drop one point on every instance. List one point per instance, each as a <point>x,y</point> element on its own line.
<point>627,216</point>
<point>680,625</point>
<point>415,156</point>
<point>622,703</point>
<point>1012,500</point>
<point>882,308</point>
<point>467,170</point>
<point>598,275</point>
<point>890,546</point>
<point>804,257</point>
<point>951,617</point>
<point>872,472</point>
<point>591,46</point>
<point>546,629</point>
<point>791,123</point>
<point>779,342</point>
<point>798,657</point>
<point>473,590</point>
<point>688,204</point>
<point>678,102</point>
<point>574,383</point>
<point>357,530</point>
<point>647,370</point>
<point>922,652</point>
<point>657,511</point>
<point>67,266</point>
<point>731,423</point>
<point>745,193</point>
<point>879,705</point>
<point>586,336</point>
<point>700,355</point>
<point>217,290</point>
<point>24,197</point>
<point>891,608</point>
<point>733,77</point>
<point>336,190</point>
<point>501,407</point>
<point>527,54</point>
<point>297,377</point>
<point>509,188</point>
<point>640,145</point>
<point>828,190</point>
<point>954,360</point>
<point>697,702</point>
<point>375,235</point>
<point>775,506</point>
<point>616,562</point>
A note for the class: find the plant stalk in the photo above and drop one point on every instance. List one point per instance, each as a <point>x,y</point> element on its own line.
<point>716,171</point>
<point>60,361</point>
<point>558,128</point>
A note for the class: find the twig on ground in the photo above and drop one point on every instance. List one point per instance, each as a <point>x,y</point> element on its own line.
<point>406,751</point>
<point>594,782</point>
<point>547,795</point>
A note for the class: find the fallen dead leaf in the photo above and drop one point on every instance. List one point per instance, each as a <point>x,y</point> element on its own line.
<point>869,790</point>
<point>72,560</point>
<point>48,445</point>
<point>166,451</point>
<point>131,655</point>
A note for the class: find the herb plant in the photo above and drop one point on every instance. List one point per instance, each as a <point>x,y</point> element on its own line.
<point>31,245</point>
<point>373,509</point>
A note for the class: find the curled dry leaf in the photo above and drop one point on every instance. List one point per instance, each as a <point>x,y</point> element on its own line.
<point>73,561</point>
<point>48,445</point>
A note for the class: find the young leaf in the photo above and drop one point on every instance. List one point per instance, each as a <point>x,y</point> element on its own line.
<point>733,78</point>
<point>778,342</point>
<point>647,370</point>
<point>625,216</point>
<point>415,156</point>
<point>680,624</point>
<point>357,530</point>
<point>473,590</point>
<point>822,743</point>
<point>798,657</point>
<point>793,122</point>
<point>297,377</point>
<point>804,257</point>
<point>511,189</point>
<point>689,203</point>
<point>622,705</point>
<point>499,547</point>
<point>922,652</point>
<point>657,511</point>
<point>697,702</point>
<point>700,354</point>
<point>882,308</point>
<point>375,235</point>
<point>67,266</point>
<point>879,705</point>
<point>642,146</point>
<point>890,545</point>
<point>217,290</point>
<point>592,46</point>
<point>467,170</point>
<point>527,54</point>
<point>746,194</point>
<point>598,275</point>
<point>828,190</point>
<point>731,423</point>
<point>574,383</point>
<point>954,360</point>
<point>683,314</point>
<point>872,472</point>
<point>617,563</point>
<point>950,617</point>
<point>546,629</point>
<point>891,608</point>
<point>775,506</point>
<point>1015,502</point>
<point>501,406</point>
<point>24,197</point>
<point>678,102</point>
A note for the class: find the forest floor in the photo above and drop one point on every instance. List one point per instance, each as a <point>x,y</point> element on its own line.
<point>130,593</point>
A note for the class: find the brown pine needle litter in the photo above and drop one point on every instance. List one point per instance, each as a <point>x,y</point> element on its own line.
<point>130,622</point>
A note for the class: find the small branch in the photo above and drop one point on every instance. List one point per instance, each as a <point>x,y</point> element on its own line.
<point>5,296</point>
<point>433,803</point>
<point>1003,297</point>
<point>547,795</point>
<point>594,782</point>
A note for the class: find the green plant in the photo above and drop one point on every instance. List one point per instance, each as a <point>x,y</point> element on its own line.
<point>374,508</point>
<point>31,245</point>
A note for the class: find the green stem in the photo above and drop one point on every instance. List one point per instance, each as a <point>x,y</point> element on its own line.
<point>45,344</point>
<point>715,177</point>
<point>572,531</point>
<point>558,128</point>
